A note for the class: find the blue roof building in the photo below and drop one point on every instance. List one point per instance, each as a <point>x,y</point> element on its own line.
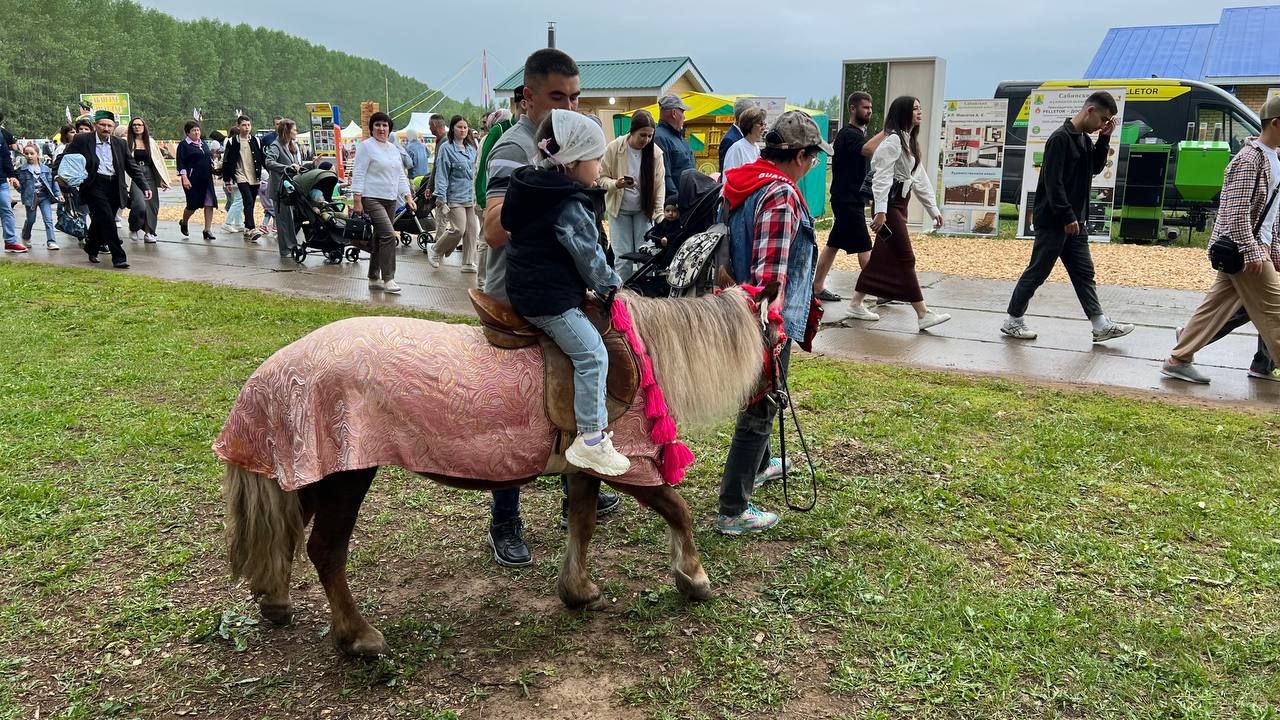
<point>1237,54</point>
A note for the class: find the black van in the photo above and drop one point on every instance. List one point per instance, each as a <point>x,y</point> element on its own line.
<point>1166,111</point>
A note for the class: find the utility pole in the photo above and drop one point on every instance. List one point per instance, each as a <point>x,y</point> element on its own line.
<point>386,89</point>
<point>551,33</point>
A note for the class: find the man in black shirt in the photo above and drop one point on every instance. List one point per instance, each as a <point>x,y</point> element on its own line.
<point>848,170</point>
<point>1061,217</point>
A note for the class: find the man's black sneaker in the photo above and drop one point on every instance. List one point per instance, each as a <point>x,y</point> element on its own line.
<point>508,545</point>
<point>606,503</point>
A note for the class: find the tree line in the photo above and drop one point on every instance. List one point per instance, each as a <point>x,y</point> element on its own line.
<point>54,50</point>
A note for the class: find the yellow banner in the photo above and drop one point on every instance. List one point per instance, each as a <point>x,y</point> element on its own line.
<point>1135,91</point>
<point>117,103</point>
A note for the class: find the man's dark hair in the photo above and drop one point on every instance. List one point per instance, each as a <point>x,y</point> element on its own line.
<point>275,120</point>
<point>242,118</point>
<point>518,94</point>
<point>548,61</point>
<point>381,117</point>
<point>858,97</point>
<point>1103,101</point>
<point>435,117</point>
<point>780,155</point>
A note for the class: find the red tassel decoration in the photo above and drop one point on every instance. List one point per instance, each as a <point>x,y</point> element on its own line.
<point>675,459</point>
<point>664,431</point>
<point>655,404</point>
<point>621,318</point>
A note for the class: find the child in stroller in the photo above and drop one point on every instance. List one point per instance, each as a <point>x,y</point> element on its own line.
<point>419,224</point>
<point>322,222</point>
<point>697,211</point>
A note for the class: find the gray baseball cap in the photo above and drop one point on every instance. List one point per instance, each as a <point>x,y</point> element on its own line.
<point>672,102</point>
<point>1270,109</point>
<point>795,130</point>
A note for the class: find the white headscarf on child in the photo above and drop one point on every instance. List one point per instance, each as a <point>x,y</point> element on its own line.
<point>577,136</point>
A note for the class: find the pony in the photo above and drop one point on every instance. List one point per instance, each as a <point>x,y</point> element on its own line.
<point>314,422</point>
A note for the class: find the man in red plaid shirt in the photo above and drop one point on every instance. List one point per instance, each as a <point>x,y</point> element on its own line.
<point>771,239</point>
<point>1248,214</point>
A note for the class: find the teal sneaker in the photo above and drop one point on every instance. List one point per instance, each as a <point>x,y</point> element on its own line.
<point>754,520</point>
<point>770,473</point>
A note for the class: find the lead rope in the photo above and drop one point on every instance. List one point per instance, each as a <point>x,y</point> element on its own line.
<point>782,397</point>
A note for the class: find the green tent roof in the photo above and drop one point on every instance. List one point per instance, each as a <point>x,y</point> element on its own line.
<point>637,74</point>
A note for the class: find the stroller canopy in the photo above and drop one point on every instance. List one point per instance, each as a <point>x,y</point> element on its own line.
<point>323,180</point>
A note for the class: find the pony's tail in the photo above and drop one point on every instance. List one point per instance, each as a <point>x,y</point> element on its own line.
<point>264,527</point>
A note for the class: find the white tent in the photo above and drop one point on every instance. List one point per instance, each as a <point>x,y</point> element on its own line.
<point>419,122</point>
<point>351,131</point>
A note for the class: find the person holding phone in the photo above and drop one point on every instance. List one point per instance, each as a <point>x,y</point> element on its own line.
<point>900,173</point>
<point>633,176</point>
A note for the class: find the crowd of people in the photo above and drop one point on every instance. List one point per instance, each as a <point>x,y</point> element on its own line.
<point>526,203</point>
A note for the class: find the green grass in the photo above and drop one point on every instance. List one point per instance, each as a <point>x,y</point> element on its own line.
<point>979,549</point>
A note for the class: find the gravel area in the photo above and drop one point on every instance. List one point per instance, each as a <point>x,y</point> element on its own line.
<point>1115,263</point>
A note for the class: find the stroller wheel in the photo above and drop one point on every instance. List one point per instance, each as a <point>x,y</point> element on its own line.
<point>405,239</point>
<point>353,253</point>
<point>299,254</point>
<point>425,239</point>
<point>333,258</point>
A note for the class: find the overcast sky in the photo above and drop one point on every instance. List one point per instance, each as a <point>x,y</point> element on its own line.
<point>793,49</point>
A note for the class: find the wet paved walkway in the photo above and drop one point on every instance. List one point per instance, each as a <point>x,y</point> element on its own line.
<point>970,342</point>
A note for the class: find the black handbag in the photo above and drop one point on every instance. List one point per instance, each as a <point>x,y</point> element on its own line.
<point>358,230</point>
<point>1224,253</point>
<point>70,221</point>
<point>865,192</point>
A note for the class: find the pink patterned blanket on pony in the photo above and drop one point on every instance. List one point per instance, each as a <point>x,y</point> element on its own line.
<point>430,397</point>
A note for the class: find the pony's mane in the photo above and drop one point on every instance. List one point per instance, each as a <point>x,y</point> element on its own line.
<point>707,352</point>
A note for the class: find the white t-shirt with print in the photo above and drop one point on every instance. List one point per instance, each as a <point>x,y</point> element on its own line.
<point>1269,222</point>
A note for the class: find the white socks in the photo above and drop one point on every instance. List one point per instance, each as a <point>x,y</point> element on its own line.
<point>1100,322</point>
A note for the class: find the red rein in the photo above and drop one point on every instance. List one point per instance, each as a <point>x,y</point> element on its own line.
<point>676,456</point>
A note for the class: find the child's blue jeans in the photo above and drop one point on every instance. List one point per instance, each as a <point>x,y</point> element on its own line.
<point>580,340</point>
<point>46,214</point>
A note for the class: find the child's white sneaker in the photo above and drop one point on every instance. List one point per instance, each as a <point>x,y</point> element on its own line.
<point>600,457</point>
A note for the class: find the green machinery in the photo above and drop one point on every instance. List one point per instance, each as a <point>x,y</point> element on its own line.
<point>1197,166</point>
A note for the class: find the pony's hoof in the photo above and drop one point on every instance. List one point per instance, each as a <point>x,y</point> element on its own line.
<point>368,644</point>
<point>589,599</point>
<point>698,590</point>
<point>277,614</point>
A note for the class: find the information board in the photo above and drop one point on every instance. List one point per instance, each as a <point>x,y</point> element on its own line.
<point>973,137</point>
<point>326,134</point>
<point>1048,110</point>
<point>117,103</point>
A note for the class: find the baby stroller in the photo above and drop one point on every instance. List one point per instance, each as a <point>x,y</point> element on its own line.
<point>687,265</point>
<point>420,224</point>
<point>320,220</point>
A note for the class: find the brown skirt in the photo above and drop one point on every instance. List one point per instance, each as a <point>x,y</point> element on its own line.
<point>891,272</point>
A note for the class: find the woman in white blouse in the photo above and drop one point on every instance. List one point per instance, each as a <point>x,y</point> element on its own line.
<point>747,149</point>
<point>378,181</point>
<point>900,172</point>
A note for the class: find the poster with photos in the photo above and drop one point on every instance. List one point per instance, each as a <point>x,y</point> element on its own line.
<point>973,137</point>
<point>1048,110</point>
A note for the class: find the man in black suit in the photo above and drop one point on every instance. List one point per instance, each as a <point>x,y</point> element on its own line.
<point>107,160</point>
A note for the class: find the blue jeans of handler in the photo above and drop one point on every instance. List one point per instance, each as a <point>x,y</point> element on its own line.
<point>580,340</point>
<point>626,231</point>
<point>749,449</point>
<point>46,214</point>
<point>7,221</point>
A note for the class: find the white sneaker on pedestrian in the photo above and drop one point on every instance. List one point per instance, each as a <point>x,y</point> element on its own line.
<point>468,269</point>
<point>600,457</point>
<point>931,318</point>
<point>375,284</point>
<point>1017,330</point>
<point>1112,331</point>
<point>149,238</point>
<point>136,235</point>
<point>51,245</point>
<point>390,286</point>
<point>860,312</point>
<point>1185,372</point>
<point>433,257</point>
<point>232,229</point>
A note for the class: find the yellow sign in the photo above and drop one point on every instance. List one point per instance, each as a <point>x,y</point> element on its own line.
<point>117,103</point>
<point>1135,91</point>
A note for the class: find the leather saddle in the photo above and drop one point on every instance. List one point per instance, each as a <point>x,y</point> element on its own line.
<point>505,328</point>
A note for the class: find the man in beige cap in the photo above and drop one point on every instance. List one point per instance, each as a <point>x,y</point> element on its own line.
<point>1249,216</point>
<point>771,239</point>
<point>669,136</point>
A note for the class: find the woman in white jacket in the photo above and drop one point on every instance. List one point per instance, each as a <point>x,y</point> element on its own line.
<point>900,172</point>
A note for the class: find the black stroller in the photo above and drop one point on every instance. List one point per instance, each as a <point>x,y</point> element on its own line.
<point>321,220</point>
<point>416,225</point>
<point>688,263</point>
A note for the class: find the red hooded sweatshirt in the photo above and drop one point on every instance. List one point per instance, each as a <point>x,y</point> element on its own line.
<point>741,181</point>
